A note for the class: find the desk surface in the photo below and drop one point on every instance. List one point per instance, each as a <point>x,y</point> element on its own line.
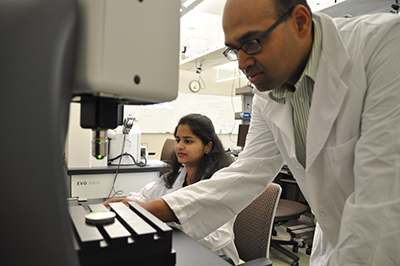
<point>152,165</point>
<point>188,250</point>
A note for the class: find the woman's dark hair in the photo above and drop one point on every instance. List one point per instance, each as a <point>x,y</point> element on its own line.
<point>203,128</point>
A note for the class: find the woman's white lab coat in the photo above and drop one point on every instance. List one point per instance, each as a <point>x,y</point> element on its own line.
<point>220,241</point>
<point>352,175</point>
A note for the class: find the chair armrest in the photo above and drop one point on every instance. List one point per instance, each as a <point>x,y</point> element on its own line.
<point>258,262</point>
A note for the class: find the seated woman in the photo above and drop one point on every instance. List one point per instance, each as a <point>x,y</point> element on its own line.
<point>198,154</point>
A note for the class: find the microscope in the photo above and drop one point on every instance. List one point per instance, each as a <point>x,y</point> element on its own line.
<point>102,54</point>
<point>395,7</point>
<point>124,57</point>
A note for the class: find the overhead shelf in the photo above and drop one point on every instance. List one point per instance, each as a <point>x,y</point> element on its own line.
<point>246,90</point>
<point>208,59</point>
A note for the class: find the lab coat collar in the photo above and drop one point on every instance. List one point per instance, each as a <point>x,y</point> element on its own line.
<point>329,88</point>
<point>282,116</point>
<point>328,96</point>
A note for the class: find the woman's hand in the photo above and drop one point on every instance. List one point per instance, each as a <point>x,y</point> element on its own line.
<point>160,209</point>
<point>123,200</point>
<point>157,207</point>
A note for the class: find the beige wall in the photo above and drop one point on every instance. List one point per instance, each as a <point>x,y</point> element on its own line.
<point>78,148</point>
<point>211,87</point>
<point>78,144</point>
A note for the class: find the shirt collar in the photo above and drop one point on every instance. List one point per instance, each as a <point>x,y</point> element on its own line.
<point>310,71</point>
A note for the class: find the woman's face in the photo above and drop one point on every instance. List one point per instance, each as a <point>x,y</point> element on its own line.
<point>189,149</point>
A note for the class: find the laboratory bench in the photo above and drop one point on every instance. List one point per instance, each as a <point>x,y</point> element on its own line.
<point>96,182</point>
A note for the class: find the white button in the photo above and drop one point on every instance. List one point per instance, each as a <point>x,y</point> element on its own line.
<point>323,212</point>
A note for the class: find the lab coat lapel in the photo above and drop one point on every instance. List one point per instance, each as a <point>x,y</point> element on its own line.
<point>329,90</point>
<point>281,116</point>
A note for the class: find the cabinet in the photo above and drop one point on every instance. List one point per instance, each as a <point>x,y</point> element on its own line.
<point>247,97</point>
<point>245,115</point>
<point>96,182</point>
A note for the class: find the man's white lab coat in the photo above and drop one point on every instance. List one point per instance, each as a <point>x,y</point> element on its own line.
<point>352,175</point>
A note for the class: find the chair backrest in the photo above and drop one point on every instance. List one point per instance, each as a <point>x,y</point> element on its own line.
<point>168,148</point>
<point>253,225</point>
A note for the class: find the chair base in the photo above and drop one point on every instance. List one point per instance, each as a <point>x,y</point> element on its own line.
<point>276,244</point>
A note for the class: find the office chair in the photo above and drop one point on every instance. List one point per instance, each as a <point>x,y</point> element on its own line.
<point>253,228</point>
<point>168,148</point>
<point>288,210</point>
<point>166,152</point>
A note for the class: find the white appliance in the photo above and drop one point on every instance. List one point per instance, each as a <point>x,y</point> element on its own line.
<point>128,50</point>
<point>125,143</point>
<point>127,53</point>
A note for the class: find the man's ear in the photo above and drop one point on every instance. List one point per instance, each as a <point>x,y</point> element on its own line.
<point>303,21</point>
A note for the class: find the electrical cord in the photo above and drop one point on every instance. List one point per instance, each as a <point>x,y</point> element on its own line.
<point>233,107</point>
<point>119,192</point>
<point>140,163</point>
<point>198,72</point>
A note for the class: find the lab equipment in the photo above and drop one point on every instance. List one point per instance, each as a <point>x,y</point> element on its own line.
<point>125,148</point>
<point>119,41</point>
<point>136,236</point>
<point>50,52</point>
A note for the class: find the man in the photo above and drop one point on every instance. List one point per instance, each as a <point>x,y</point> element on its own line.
<point>328,104</point>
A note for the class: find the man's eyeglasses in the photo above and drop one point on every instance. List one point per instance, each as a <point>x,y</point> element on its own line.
<point>254,46</point>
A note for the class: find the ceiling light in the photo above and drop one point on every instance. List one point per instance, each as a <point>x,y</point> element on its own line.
<point>188,3</point>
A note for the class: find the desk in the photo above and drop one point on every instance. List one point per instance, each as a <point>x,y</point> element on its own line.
<point>96,182</point>
<point>188,251</point>
<point>290,189</point>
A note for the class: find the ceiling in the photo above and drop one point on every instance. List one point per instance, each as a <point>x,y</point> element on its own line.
<point>203,21</point>
<point>202,38</point>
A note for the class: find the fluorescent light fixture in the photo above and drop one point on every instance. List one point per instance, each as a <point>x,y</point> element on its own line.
<point>188,3</point>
